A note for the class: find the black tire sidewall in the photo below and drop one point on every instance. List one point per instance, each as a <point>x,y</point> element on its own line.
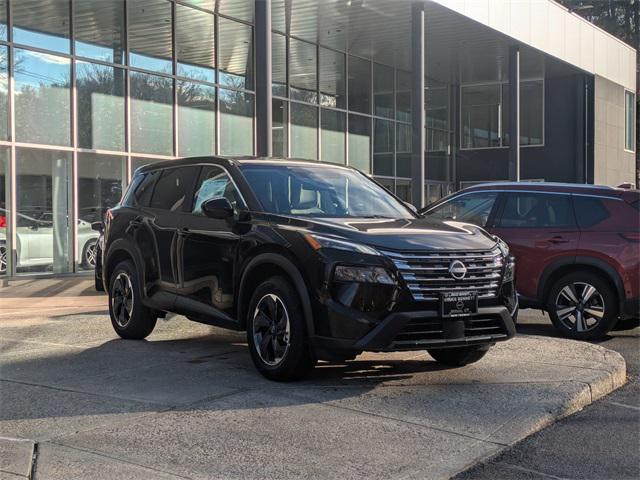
<point>298,359</point>
<point>142,320</point>
<point>605,325</point>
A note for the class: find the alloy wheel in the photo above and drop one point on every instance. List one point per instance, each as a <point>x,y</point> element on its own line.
<point>579,306</point>
<point>271,329</point>
<point>3,258</point>
<point>122,299</point>
<point>91,253</point>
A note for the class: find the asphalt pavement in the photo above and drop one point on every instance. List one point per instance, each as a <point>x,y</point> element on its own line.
<point>602,442</point>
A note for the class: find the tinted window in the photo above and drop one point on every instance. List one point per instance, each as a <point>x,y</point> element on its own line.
<point>535,210</point>
<point>142,192</point>
<point>589,211</point>
<point>214,183</point>
<point>473,208</point>
<point>172,188</point>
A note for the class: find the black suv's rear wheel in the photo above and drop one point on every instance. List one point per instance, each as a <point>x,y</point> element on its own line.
<point>129,317</point>
<point>276,332</point>
<point>582,306</point>
<point>459,356</point>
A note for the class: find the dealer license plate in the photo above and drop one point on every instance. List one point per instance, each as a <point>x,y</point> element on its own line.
<point>458,304</point>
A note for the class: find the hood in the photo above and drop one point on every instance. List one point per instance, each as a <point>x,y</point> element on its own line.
<point>410,234</point>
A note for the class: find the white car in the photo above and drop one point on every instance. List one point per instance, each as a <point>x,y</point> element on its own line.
<point>35,242</point>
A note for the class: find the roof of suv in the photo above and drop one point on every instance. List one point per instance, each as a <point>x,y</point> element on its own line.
<point>236,161</point>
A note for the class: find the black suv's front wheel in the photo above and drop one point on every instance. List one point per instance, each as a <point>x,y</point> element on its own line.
<point>276,331</point>
<point>129,317</point>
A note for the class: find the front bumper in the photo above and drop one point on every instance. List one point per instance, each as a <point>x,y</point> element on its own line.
<point>425,329</point>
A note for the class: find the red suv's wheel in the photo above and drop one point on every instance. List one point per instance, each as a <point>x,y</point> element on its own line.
<point>582,306</point>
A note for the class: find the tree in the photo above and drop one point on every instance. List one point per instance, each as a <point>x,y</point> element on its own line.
<point>621,18</point>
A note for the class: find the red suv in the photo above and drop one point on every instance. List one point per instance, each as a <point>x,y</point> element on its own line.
<point>577,247</point>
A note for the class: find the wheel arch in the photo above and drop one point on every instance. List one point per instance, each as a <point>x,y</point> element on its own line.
<point>590,264</point>
<point>263,266</point>
<point>120,251</point>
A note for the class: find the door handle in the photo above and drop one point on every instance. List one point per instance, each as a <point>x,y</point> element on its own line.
<point>558,239</point>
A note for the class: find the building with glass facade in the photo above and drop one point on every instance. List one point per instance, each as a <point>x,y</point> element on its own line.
<point>426,97</point>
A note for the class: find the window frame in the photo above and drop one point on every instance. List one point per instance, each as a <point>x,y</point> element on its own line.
<point>634,145</point>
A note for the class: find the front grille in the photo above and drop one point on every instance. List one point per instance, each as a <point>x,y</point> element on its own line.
<point>427,274</point>
<point>431,331</point>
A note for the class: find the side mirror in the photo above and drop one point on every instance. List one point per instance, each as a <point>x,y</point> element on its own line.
<point>97,226</point>
<point>218,208</point>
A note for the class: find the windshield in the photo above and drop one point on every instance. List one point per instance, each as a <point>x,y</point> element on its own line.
<point>317,191</point>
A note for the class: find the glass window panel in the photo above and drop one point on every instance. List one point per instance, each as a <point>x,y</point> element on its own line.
<point>383,90</point>
<point>43,24</point>
<point>4,93</point>
<point>150,35</point>
<point>403,96</point>
<point>42,98</point>
<point>171,189</point>
<point>387,183</point>
<point>383,140</point>
<point>359,85</point>
<point>629,121</point>
<point>279,125</point>
<point>240,9</point>
<point>196,119</point>
<point>151,114</point>
<point>332,136</point>
<point>43,195</point>
<point>137,162</point>
<point>531,113</point>
<point>195,48</point>
<point>99,188</point>
<point>403,150</point>
<point>332,78</point>
<point>403,190</point>
<point>100,106</point>
<point>206,4</point>
<point>99,29</point>
<point>236,123</point>
<point>304,131</point>
<point>437,122</point>
<point>360,142</point>
<point>481,116</point>
<point>3,19</point>
<point>279,64</point>
<point>4,212</point>
<point>235,54</point>
<point>303,75</point>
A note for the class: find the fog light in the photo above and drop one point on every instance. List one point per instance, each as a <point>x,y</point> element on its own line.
<point>363,275</point>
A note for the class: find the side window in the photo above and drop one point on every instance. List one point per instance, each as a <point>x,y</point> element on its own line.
<point>172,187</point>
<point>473,208</point>
<point>213,183</point>
<point>128,198</point>
<point>141,193</point>
<point>537,210</point>
<point>590,211</point>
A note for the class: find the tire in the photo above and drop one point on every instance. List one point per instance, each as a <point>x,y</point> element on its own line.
<point>129,318</point>
<point>89,253</point>
<point>582,306</point>
<point>3,258</point>
<point>277,332</point>
<point>459,356</point>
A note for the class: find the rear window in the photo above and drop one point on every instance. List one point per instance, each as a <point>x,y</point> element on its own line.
<point>537,210</point>
<point>172,188</point>
<point>590,211</point>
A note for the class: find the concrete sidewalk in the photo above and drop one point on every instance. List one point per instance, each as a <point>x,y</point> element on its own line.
<point>76,402</point>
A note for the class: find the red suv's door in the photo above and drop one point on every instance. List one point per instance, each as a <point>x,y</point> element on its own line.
<point>539,228</point>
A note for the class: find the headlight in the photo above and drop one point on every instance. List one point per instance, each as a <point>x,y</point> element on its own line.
<point>379,275</point>
<point>509,269</point>
<point>319,241</point>
<point>504,248</point>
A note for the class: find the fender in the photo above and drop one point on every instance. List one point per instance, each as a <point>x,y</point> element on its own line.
<point>298,282</point>
<point>577,261</point>
<point>120,245</point>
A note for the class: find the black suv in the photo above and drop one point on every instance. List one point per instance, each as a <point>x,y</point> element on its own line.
<point>314,261</point>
